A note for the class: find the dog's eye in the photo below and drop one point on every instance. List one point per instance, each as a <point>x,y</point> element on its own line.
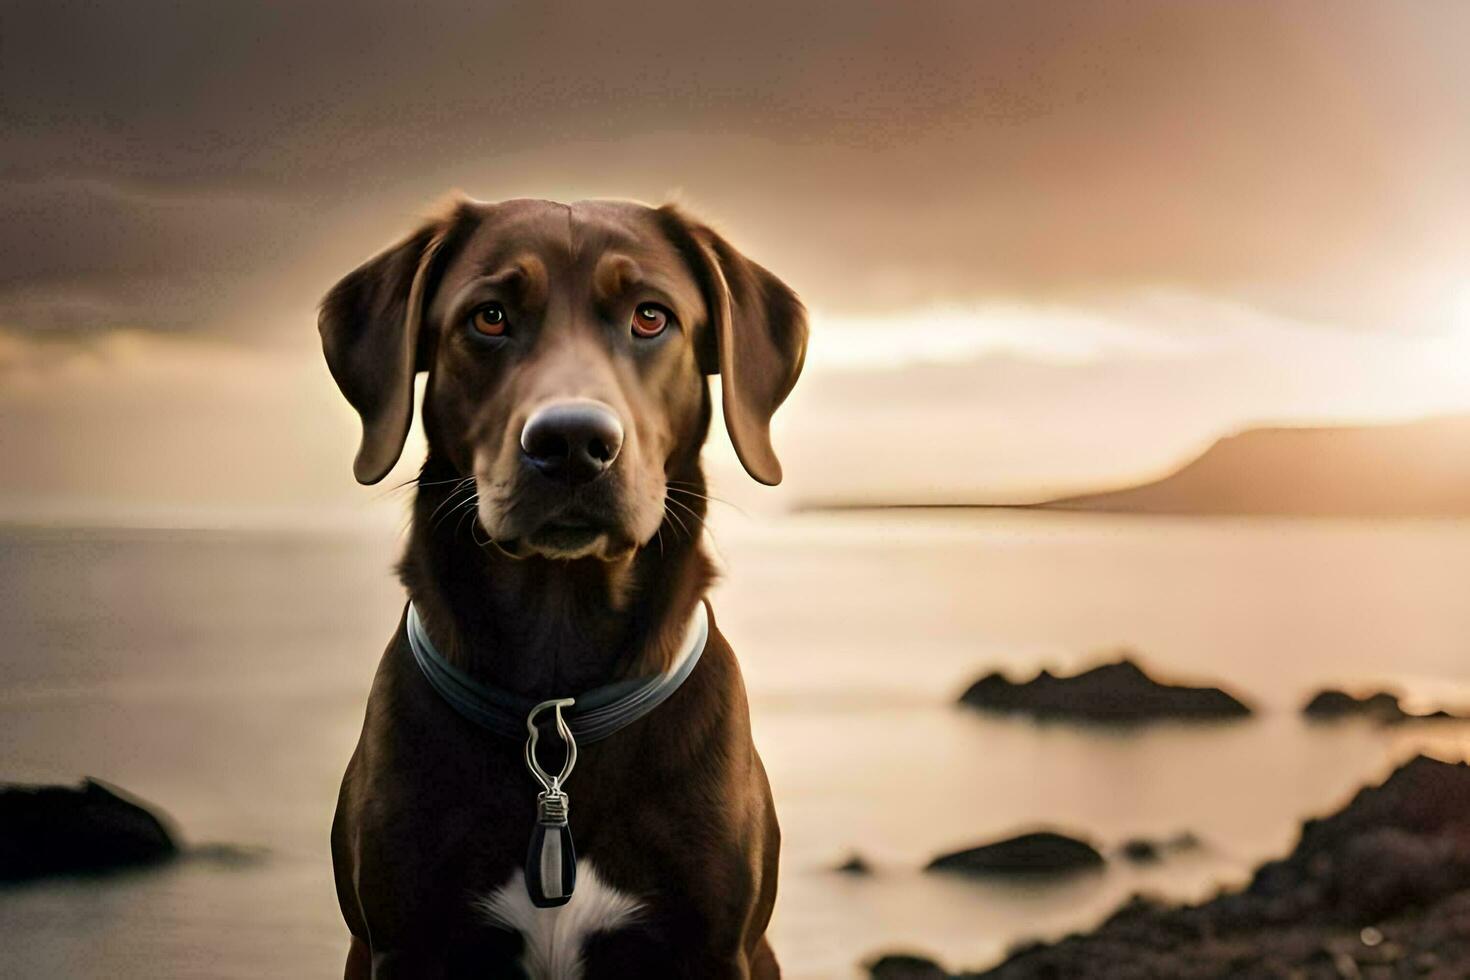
<point>489,320</point>
<point>650,319</point>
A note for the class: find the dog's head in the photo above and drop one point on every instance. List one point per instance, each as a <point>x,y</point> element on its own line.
<point>566,347</point>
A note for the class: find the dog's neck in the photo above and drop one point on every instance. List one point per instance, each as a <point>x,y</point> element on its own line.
<point>542,628</point>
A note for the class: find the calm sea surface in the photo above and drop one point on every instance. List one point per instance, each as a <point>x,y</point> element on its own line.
<point>222,676</point>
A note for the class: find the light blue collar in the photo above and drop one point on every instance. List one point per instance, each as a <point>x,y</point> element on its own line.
<point>593,715</point>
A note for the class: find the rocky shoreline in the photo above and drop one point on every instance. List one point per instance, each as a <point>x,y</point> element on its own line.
<point>1380,889</point>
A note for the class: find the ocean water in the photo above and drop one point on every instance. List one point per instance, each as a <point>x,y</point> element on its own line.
<point>222,676</point>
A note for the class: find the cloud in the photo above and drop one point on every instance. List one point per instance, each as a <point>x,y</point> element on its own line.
<point>88,255</point>
<point>166,162</point>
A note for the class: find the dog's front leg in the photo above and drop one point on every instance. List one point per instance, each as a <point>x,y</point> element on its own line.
<point>359,961</point>
<point>736,967</point>
<point>408,965</point>
<point>763,965</point>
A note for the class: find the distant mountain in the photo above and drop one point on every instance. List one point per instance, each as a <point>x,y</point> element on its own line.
<point>1414,469</point>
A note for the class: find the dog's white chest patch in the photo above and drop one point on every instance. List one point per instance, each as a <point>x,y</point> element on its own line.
<point>555,937</point>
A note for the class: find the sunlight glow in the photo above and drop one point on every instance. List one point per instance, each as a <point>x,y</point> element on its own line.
<point>950,333</point>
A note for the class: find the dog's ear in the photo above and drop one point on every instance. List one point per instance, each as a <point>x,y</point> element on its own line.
<point>760,335</point>
<point>369,324</point>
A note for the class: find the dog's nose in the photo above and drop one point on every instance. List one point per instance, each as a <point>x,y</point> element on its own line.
<point>576,441</point>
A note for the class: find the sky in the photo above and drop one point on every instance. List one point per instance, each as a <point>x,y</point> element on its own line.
<point>1045,246</point>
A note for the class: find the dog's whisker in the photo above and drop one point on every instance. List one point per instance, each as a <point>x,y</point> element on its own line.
<point>703,524</point>
<point>470,505</point>
<point>447,514</point>
<point>440,483</point>
<point>691,532</point>
<point>469,509</point>
<point>679,503</point>
<point>418,483</point>
<point>387,492</point>
<point>467,502</point>
<point>700,496</point>
<point>474,537</point>
<point>689,510</point>
<point>675,517</point>
<point>673,487</point>
<point>682,507</point>
<point>458,484</point>
<point>466,484</point>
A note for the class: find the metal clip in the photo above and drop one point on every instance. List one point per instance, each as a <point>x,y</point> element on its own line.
<point>552,784</point>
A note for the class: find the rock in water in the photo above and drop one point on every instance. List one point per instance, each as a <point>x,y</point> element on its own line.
<point>1145,850</point>
<point>1339,704</point>
<point>1042,852</point>
<point>905,966</point>
<point>50,830</point>
<point>1332,704</point>
<point>1114,692</point>
<point>1141,850</point>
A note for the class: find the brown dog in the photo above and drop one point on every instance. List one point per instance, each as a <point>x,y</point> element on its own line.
<point>554,550</point>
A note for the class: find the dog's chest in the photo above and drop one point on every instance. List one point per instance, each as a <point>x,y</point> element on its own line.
<point>556,938</point>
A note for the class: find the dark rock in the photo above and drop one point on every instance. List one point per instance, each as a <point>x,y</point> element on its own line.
<point>1379,889</point>
<point>905,966</point>
<point>1438,714</point>
<point>1115,692</point>
<point>1141,851</point>
<point>1042,852</point>
<point>1381,706</point>
<point>1386,869</point>
<point>1332,704</point>
<point>855,864</point>
<point>50,830</point>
